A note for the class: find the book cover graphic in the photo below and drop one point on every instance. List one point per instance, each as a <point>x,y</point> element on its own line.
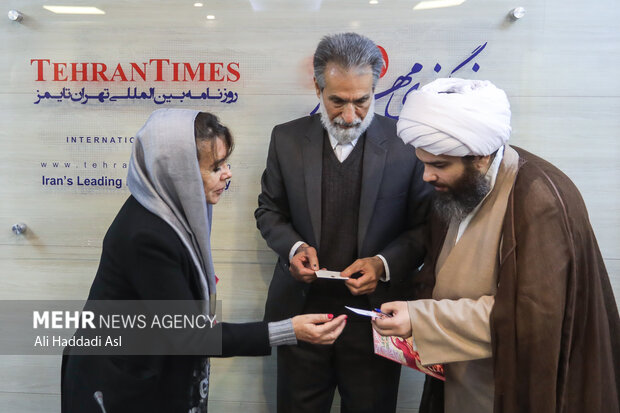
<point>401,351</point>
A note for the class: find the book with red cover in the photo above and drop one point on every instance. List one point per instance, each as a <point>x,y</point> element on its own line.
<point>401,351</point>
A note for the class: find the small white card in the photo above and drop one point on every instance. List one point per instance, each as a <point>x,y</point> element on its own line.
<point>332,275</point>
<point>366,313</point>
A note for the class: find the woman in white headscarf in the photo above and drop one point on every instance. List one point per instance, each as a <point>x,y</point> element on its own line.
<point>158,248</point>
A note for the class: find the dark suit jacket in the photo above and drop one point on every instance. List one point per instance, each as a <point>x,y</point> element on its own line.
<point>144,259</point>
<point>392,211</point>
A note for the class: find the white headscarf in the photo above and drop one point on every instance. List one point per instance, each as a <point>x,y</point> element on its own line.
<point>164,177</point>
<point>456,117</point>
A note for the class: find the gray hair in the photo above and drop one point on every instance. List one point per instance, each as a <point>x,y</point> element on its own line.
<point>347,50</point>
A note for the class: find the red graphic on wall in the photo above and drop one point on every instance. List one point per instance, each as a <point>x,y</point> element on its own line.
<point>386,61</point>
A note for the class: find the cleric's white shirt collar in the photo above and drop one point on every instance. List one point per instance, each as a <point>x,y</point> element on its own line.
<point>490,176</point>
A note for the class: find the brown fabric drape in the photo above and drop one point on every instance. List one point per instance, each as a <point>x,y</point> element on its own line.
<point>555,327</point>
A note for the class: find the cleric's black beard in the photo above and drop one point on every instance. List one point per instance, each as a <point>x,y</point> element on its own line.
<point>463,197</point>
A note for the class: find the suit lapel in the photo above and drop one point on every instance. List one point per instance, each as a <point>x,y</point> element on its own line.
<point>312,149</point>
<point>372,175</point>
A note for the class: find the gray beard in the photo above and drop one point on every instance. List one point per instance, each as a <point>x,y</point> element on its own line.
<point>346,135</point>
<point>463,198</point>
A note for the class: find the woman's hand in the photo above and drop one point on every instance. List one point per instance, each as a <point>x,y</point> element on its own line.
<point>398,324</point>
<point>317,328</point>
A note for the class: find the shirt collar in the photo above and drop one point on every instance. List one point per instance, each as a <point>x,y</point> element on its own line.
<point>334,142</point>
<point>491,177</point>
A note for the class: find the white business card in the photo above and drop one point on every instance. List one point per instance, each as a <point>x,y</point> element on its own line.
<point>366,313</point>
<point>332,275</point>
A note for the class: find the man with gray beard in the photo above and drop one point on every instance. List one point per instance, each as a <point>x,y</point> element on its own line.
<point>343,193</point>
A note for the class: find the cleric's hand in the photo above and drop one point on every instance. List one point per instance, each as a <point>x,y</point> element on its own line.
<point>399,324</point>
<point>372,270</point>
<point>317,328</point>
<point>304,263</point>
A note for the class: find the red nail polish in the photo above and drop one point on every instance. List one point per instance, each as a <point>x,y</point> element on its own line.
<point>330,316</point>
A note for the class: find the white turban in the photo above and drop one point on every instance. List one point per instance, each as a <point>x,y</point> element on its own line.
<point>456,117</point>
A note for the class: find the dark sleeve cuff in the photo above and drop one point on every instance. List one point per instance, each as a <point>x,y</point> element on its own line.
<point>245,339</point>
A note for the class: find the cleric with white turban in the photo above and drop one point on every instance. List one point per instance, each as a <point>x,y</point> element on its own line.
<point>513,299</point>
<point>456,117</point>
